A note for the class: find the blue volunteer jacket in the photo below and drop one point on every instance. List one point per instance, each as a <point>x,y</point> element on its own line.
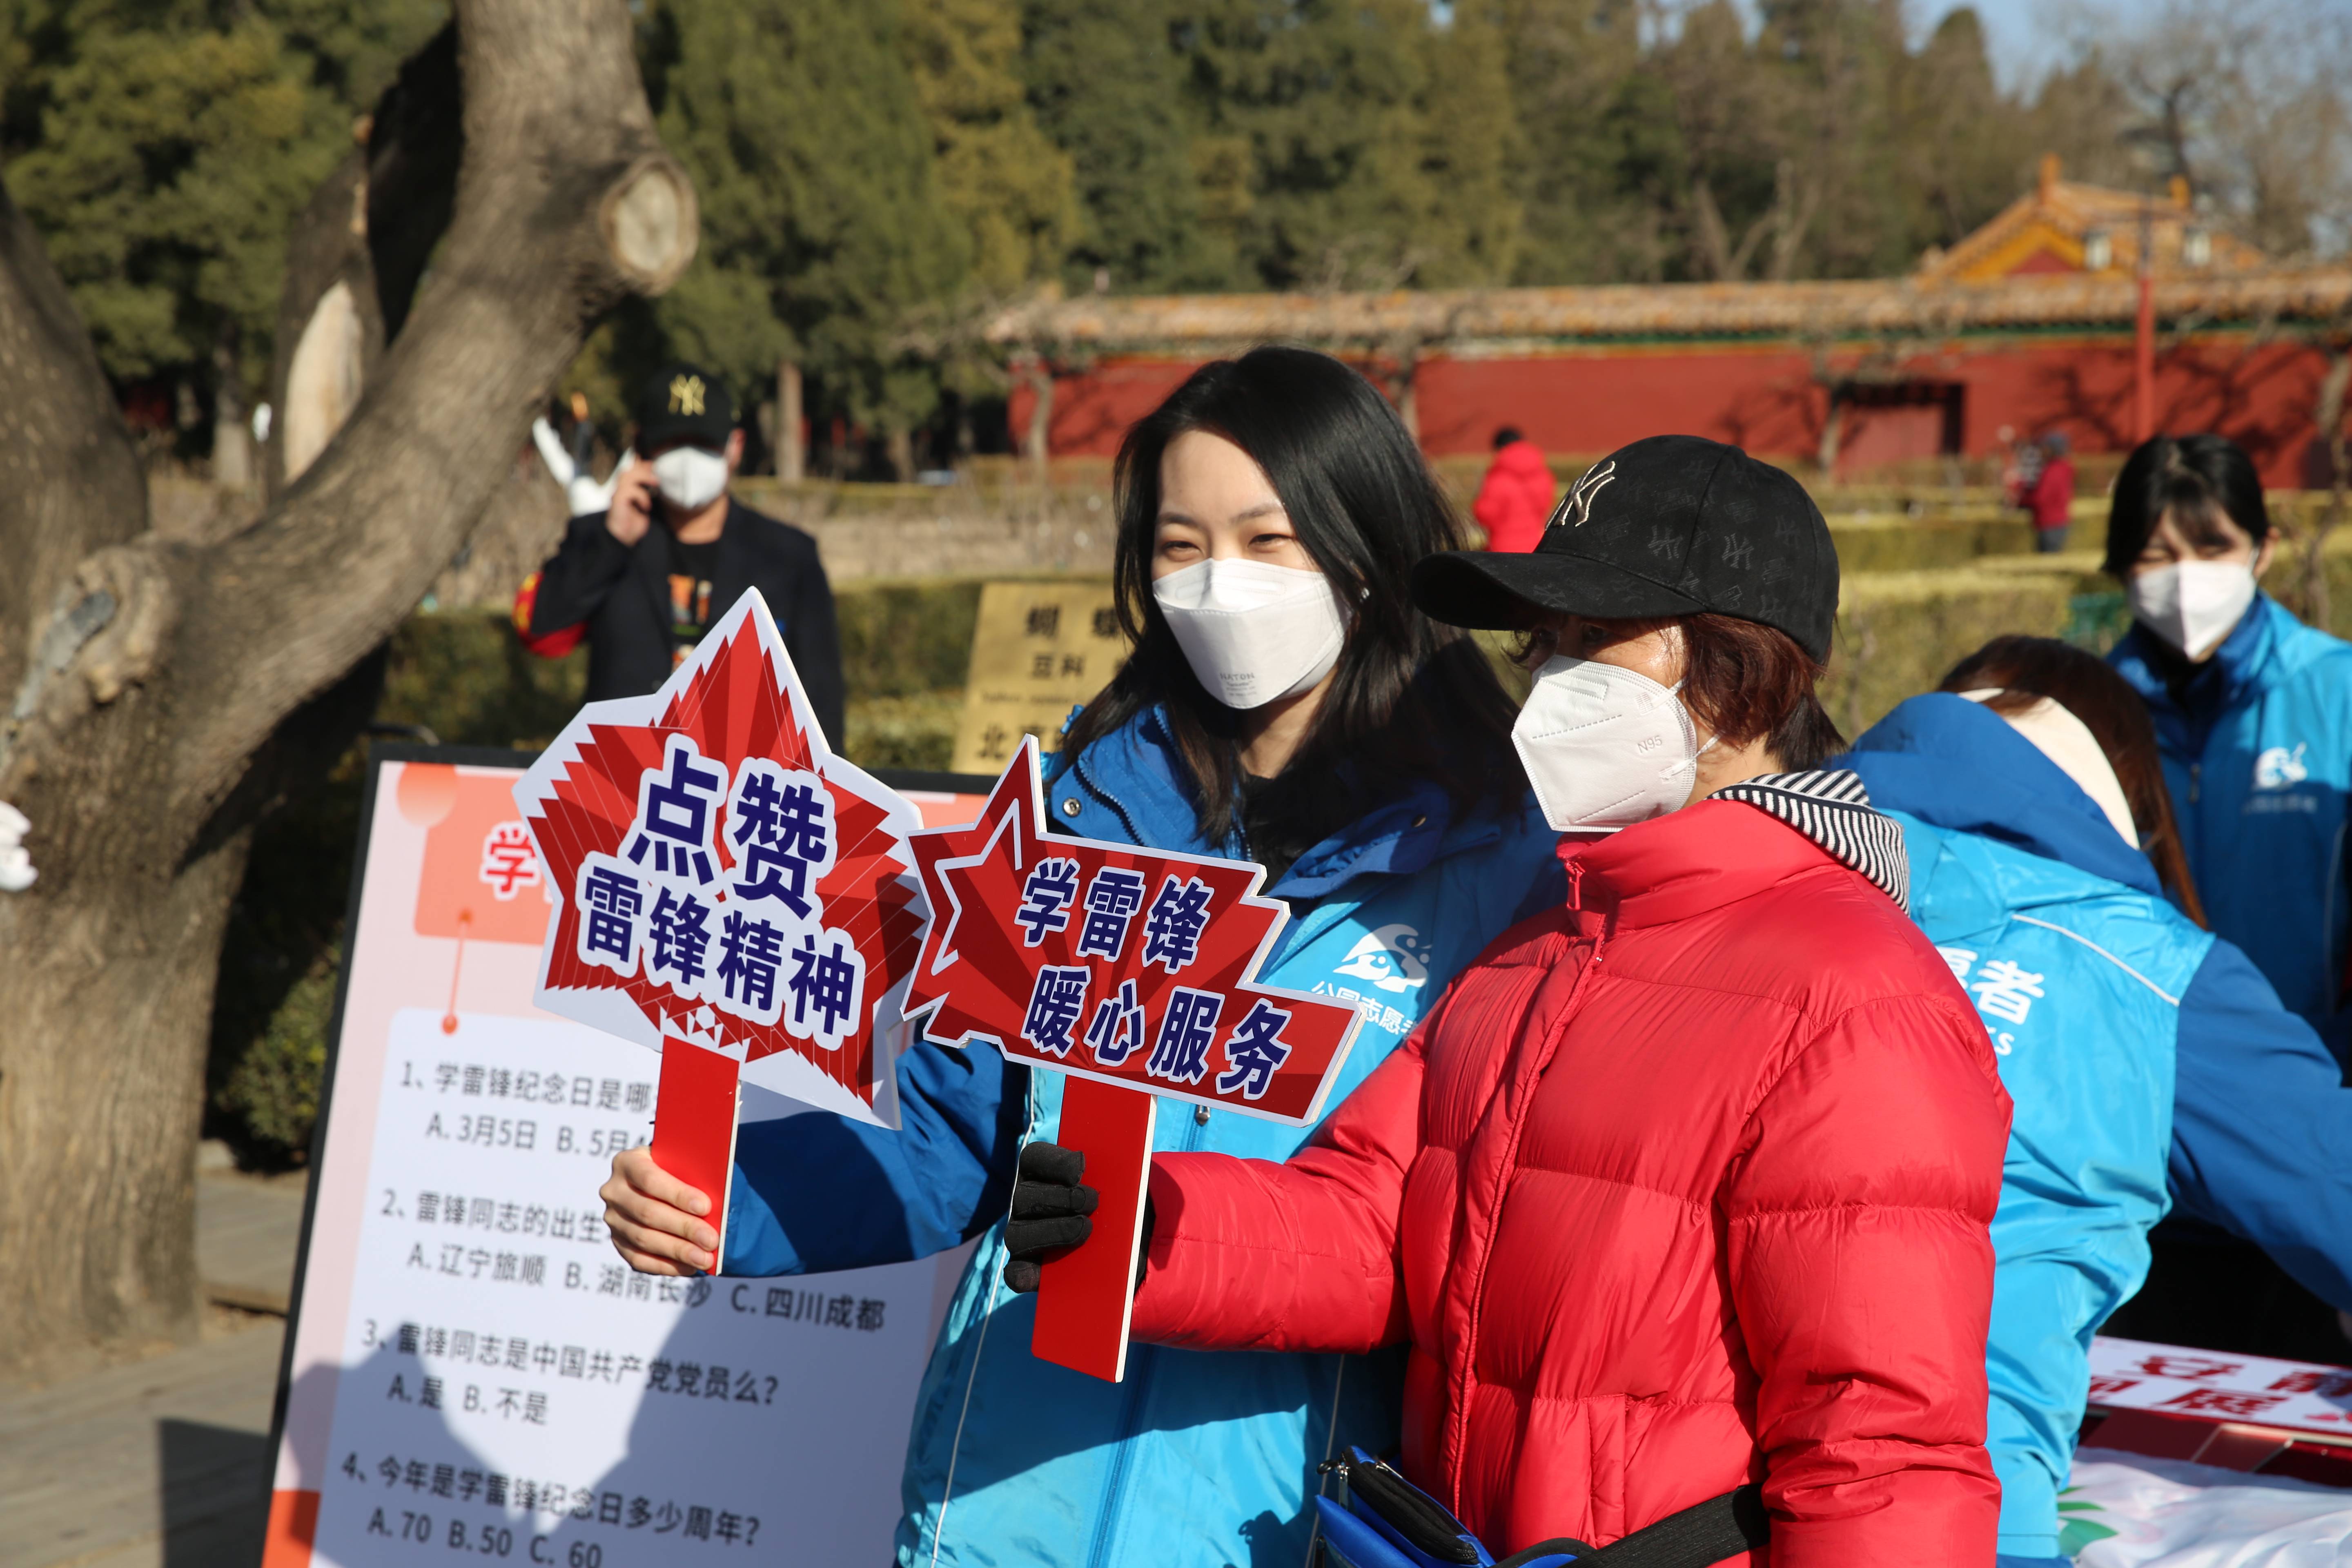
<point>1196,1460</point>
<point>2259,759</point>
<point>2149,1064</point>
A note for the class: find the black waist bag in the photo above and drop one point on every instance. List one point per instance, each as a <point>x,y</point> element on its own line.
<point>1382,1520</point>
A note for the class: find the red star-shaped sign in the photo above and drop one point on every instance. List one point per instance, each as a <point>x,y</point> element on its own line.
<point>1108,962</point>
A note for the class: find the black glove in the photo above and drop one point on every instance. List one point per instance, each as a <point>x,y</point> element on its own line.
<point>1050,1206</point>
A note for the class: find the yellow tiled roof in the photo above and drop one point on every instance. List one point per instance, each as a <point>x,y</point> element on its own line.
<point>2093,228</point>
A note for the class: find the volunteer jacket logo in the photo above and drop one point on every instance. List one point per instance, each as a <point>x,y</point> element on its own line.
<point>1576,510</point>
<point>1390,958</point>
<point>2278,768</point>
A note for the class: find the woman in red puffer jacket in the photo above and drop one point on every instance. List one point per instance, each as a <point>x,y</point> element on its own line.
<point>1516,496</point>
<point>1685,1184</point>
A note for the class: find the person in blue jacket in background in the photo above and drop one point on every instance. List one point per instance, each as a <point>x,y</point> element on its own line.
<point>2151,1066</point>
<point>1285,703</point>
<point>2254,715</point>
<point>2253,712</point>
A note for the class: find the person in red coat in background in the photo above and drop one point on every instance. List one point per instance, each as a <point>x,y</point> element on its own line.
<point>1516,496</point>
<point>1686,1185</point>
<point>2049,495</point>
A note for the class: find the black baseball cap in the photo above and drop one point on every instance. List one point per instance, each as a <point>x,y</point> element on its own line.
<point>1671,525</point>
<point>684,402</point>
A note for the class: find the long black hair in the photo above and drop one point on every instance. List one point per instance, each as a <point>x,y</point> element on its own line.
<point>2199,479</point>
<point>1412,699</point>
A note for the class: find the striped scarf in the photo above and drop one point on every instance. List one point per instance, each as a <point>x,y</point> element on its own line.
<point>1831,808</point>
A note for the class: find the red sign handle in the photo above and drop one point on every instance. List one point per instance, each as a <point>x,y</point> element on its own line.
<point>1086,1297</point>
<point>693,1123</point>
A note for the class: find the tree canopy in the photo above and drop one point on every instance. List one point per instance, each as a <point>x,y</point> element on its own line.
<point>876,174</point>
<point>162,147</point>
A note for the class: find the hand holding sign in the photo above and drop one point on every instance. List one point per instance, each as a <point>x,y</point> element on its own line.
<point>730,893</point>
<point>1124,969</point>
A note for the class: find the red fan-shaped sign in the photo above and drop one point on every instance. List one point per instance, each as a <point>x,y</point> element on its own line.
<point>722,879</point>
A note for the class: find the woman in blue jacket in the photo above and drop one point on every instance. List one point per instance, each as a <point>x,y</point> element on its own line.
<point>2254,715</point>
<point>2253,712</point>
<point>2150,1065</point>
<point>1285,703</point>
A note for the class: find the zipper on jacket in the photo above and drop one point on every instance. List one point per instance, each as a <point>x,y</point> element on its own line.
<point>1142,1360</point>
<point>1079,769</point>
<point>2196,777</point>
<point>1458,1417</point>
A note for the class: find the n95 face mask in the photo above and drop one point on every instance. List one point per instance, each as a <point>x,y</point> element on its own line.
<point>1252,632</point>
<point>2194,605</point>
<point>1605,747</point>
<point>691,478</point>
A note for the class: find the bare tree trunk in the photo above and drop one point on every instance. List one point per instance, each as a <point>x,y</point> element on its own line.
<point>1038,443</point>
<point>355,255</point>
<point>791,439</point>
<point>70,480</point>
<point>1403,355</point>
<point>1714,240</point>
<point>1832,431</point>
<point>327,314</point>
<point>232,453</point>
<point>169,680</point>
<point>1796,198</point>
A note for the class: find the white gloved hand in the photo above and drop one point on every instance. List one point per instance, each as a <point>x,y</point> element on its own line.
<point>582,490</point>
<point>16,872</point>
<point>587,495</point>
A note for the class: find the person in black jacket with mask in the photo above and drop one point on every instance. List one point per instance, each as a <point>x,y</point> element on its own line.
<point>647,577</point>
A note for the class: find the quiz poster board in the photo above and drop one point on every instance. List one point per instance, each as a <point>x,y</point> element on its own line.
<point>470,1370</point>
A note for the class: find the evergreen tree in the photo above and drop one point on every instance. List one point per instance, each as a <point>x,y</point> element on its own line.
<point>1157,205</point>
<point>1966,150</point>
<point>823,229</point>
<point>1598,141</point>
<point>1370,160</point>
<point>1472,152</point>
<point>162,148</point>
<point>1008,183</point>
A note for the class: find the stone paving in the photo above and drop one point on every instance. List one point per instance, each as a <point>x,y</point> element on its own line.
<point>162,1462</point>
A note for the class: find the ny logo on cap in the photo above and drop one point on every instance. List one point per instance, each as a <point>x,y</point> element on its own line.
<point>685,395</point>
<point>1576,510</point>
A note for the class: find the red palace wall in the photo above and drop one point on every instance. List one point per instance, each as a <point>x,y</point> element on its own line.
<point>1767,399</point>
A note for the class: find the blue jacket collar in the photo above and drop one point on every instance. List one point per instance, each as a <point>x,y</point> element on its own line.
<point>1957,764</point>
<point>1137,771</point>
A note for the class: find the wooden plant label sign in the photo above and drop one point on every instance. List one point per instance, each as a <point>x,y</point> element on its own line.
<point>1130,969</point>
<point>728,892</point>
<point>1038,650</point>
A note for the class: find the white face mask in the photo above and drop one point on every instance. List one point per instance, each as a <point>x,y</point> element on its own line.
<point>1605,747</point>
<point>691,478</point>
<point>1252,631</point>
<point>2194,605</point>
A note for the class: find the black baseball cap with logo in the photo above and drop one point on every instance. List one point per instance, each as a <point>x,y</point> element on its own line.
<point>1671,525</point>
<point>684,402</point>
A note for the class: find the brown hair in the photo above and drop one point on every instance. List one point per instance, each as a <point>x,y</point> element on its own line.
<point>1742,680</point>
<point>2028,668</point>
